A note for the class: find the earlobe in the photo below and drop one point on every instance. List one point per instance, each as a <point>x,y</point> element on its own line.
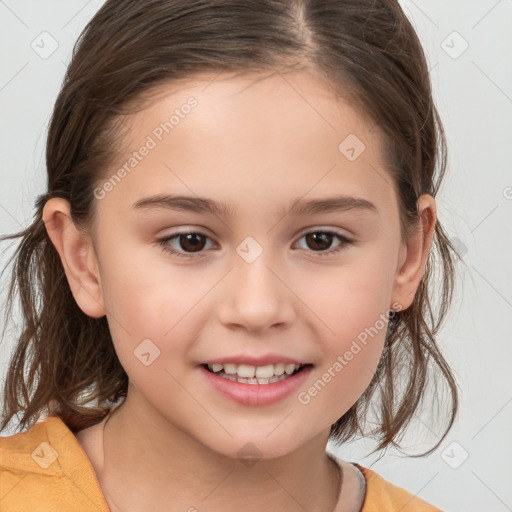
<point>77,256</point>
<point>416,250</point>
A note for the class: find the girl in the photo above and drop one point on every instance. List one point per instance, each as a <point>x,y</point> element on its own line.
<point>231,264</point>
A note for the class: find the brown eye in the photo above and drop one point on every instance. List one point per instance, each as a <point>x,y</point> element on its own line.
<point>192,242</point>
<point>320,242</point>
<point>184,244</point>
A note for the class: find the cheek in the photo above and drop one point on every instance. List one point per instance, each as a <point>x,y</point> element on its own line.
<point>350,355</point>
<point>348,297</point>
<point>152,301</point>
<point>352,303</point>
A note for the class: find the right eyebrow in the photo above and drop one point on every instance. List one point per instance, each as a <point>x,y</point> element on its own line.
<point>186,203</point>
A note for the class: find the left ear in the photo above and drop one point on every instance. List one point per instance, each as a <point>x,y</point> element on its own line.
<point>414,253</point>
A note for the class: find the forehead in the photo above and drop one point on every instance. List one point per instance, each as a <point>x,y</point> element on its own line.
<point>248,136</point>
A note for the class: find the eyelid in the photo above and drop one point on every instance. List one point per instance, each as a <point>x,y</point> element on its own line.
<point>326,229</point>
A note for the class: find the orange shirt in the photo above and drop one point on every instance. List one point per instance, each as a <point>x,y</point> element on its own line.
<point>45,469</point>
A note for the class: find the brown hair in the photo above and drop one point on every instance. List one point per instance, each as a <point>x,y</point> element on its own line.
<point>65,360</point>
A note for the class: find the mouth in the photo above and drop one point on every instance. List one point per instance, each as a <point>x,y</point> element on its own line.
<point>248,374</point>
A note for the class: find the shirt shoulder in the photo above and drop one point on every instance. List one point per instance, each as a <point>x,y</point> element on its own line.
<point>45,469</point>
<point>383,496</point>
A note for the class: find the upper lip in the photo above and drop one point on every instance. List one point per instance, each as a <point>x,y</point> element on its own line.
<point>262,360</point>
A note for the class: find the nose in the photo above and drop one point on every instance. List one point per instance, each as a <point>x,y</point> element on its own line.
<point>255,296</point>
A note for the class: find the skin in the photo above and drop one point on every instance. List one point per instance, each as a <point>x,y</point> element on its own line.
<point>256,142</point>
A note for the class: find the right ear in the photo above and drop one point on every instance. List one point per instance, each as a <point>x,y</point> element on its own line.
<point>78,257</point>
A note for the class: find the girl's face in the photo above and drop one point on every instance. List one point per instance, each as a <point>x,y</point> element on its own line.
<point>295,256</point>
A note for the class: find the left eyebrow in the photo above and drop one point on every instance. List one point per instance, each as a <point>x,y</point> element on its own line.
<point>331,204</point>
<point>297,207</point>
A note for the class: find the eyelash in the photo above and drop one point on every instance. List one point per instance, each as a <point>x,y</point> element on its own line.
<point>163,242</point>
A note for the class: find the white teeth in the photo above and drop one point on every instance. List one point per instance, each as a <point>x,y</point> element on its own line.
<point>228,368</point>
<point>279,369</point>
<point>289,368</point>
<point>254,374</point>
<point>246,370</point>
<point>265,372</point>
<point>236,378</point>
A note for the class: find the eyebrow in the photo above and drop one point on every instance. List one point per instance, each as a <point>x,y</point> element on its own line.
<point>298,206</point>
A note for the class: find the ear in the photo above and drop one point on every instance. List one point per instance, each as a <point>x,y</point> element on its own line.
<point>414,253</point>
<point>78,257</point>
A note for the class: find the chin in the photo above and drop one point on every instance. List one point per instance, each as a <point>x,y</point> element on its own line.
<point>250,446</point>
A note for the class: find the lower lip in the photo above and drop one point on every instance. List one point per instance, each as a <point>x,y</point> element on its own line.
<point>256,394</point>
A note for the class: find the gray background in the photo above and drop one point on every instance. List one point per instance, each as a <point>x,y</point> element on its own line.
<point>471,471</point>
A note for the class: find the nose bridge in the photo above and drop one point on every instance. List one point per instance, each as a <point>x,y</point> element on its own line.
<point>252,273</point>
<point>254,297</point>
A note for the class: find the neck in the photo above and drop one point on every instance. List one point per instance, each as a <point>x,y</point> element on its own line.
<point>149,463</point>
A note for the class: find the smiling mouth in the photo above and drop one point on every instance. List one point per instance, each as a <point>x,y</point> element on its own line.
<point>247,374</point>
